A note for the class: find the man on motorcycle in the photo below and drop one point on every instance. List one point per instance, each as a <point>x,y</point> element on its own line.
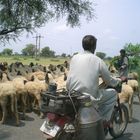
<point>85,70</point>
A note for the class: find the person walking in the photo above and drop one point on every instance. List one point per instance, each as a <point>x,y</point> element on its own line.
<point>123,65</point>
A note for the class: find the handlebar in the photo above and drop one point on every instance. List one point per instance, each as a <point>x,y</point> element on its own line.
<point>118,88</point>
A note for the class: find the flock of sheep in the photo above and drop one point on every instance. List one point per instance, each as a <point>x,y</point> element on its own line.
<point>21,87</point>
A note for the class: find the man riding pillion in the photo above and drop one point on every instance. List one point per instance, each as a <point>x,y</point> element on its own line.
<point>85,69</point>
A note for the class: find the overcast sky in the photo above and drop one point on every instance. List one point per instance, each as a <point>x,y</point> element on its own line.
<point>117,23</point>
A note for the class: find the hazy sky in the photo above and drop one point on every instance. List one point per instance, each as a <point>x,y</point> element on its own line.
<point>117,23</point>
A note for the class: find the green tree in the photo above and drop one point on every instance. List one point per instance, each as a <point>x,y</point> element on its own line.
<point>68,55</point>
<point>133,51</point>
<point>29,50</point>
<point>7,51</point>
<point>101,55</point>
<point>46,52</point>
<point>19,15</point>
<point>63,55</point>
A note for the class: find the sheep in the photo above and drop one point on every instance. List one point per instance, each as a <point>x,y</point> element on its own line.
<point>36,87</point>
<point>39,74</point>
<point>52,67</point>
<point>133,75</point>
<point>21,93</point>
<point>18,84</point>
<point>126,96</point>
<point>61,81</point>
<point>33,91</point>
<point>60,77</point>
<point>57,70</point>
<point>4,66</point>
<point>112,69</point>
<point>8,90</point>
<point>66,64</point>
<point>135,86</point>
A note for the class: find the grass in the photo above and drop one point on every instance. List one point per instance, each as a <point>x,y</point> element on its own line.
<point>28,60</point>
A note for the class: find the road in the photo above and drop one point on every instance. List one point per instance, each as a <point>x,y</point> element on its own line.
<point>29,128</point>
<point>133,129</point>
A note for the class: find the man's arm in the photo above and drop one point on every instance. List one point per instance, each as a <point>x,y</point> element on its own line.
<point>125,63</point>
<point>106,76</point>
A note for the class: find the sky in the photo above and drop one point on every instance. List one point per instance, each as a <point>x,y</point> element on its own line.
<point>117,22</point>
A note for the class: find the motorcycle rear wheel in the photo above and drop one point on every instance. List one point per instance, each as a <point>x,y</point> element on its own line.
<point>119,121</point>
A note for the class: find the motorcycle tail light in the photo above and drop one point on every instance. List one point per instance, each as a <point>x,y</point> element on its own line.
<point>52,116</point>
<point>57,119</point>
<point>62,121</point>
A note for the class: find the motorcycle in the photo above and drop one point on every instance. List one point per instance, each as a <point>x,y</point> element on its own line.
<point>71,116</point>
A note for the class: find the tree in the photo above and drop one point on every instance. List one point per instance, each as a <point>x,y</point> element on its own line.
<point>19,15</point>
<point>7,51</point>
<point>46,52</point>
<point>133,52</point>
<point>109,58</point>
<point>29,50</point>
<point>68,55</point>
<point>63,55</point>
<point>101,55</point>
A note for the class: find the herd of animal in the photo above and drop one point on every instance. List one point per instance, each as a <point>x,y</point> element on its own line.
<point>21,87</point>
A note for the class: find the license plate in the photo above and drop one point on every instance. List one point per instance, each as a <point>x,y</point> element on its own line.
<point>50,130</point>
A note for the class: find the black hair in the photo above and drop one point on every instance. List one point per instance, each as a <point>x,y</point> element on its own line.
<point>123,51</point>
<point>89,43</point>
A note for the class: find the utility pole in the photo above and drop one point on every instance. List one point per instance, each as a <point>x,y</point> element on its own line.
<point>39,44</point>
<point>36,46</point>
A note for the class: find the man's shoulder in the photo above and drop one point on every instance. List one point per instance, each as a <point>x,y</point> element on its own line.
<point>97,58</point>
<point>81,54</point>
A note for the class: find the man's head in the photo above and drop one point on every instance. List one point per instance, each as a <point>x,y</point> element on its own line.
<point>122,52</point>
<point>89,43</point>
